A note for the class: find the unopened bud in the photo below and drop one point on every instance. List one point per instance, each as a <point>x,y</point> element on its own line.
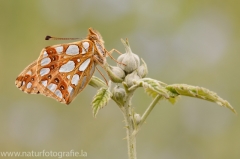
<point>97,82</point>
<point>137,118</point>
<point>116,74</point>
<point>119,94</point>
<point>128,61</point>
<point>142,70</point>
<point>130,78</point>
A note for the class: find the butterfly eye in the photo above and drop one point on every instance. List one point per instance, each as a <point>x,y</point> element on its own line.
<point>93,37</point>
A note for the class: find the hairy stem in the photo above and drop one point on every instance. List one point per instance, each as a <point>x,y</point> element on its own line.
<point>128,116</point>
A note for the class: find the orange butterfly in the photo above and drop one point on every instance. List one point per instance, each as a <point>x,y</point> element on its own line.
<point>62,71</point>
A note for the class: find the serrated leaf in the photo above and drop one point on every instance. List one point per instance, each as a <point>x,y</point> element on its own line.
<point>199,92</point>
<point>153,87</point>
<point>100,99</point>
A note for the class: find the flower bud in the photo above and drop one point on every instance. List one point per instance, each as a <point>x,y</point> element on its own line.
<point>119,94</point>
<point>130,78</point>
<point>137,118</point>
<point>116,74</point>
<point>128,61</point>
<point>142,70</point>
<point>97,82</point>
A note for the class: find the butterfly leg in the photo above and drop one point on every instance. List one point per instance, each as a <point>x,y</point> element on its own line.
<point>102,76</point>
<point>109,54</point>
<point>102,64</point>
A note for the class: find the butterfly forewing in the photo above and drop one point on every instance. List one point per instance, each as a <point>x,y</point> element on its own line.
<point>64,70</point>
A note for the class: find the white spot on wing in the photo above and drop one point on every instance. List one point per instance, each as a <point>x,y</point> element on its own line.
<point>84,65</point>
<point>70,90</point>
<point>29,85</point>
<point>72,50</point>
<point>45,54</point>
<point>58,93</point>
<point>59,49</point>
<point>68,76</point>
<point>75,79</point>
<point>68,67</point>
<point>85,47</point>
<point>23,83</point>
<point>45,61</point>
<point>52,87</point>
<point>44,83</point>
<point>29,73</point>
<point>44,71</point>
<point>78,60</point>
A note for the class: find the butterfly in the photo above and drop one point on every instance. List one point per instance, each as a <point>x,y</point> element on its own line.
<point>62,71</point>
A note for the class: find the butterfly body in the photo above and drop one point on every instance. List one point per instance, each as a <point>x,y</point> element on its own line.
<point>64,70</point>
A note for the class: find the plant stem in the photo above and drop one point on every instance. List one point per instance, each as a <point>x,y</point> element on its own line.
<point>147,112</point>
<point>128,116</point>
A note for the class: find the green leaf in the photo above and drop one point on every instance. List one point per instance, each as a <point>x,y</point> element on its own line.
<point>100,99</point>
<point>153,87</point>
<point>173,100</point>
<point>199,92</point>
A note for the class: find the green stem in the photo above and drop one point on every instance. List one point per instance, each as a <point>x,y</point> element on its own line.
<point>128,116</point>
<point>147,112</point>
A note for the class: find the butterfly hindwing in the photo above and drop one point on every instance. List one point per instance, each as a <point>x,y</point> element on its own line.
<point>62,71</point>
<point>27,81</point>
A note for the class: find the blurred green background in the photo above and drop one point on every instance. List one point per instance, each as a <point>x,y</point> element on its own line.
<point>182,41</point>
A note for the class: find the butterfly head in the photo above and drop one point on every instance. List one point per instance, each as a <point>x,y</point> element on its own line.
<point>94,35</point>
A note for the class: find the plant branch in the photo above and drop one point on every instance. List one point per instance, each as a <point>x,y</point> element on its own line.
<point>128,116</point>
<point>147,112</point>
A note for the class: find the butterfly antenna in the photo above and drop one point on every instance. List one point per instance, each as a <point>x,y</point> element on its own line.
<point>56,38</point>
